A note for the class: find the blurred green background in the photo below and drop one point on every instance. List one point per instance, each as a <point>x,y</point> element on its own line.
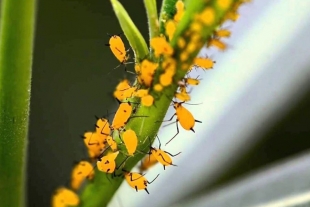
<point>70,85</point>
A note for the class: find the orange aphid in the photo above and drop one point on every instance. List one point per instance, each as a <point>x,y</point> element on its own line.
<point>131,141</point>
<point>111,142</point>
<point>137,180</point>
<point>184,117</point>
<point>207,16</point>
<point>146,72</point>
<point>181,42</point>
<point>147,100</point>
<point>205,63</point>
<point>94,143</point>
<point>161,46</point>
<point>118,49</point>
<point>232,15</point>
<point>107,163</point>
<point>165,79</point>
<point>63,197</point>
<point>224,4</point>
<point>122,115</point>
<point>170,29</point>
<point>148,162</point>
<point>222,33</point>
<point>158,87</point>
<point>141,92</point>
<point>80,172</point>
<point>123,86</point>
<point>182,96</point>
<point>217,43</point>
<point>162,156</point>
<point>102,129</point>
<point>180,11</point>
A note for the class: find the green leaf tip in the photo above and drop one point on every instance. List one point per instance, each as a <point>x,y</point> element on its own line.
<point>131,32</point>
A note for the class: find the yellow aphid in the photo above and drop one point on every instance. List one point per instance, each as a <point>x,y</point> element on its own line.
<point>128,93</point>
<point>184,56</point>
<point>205,63</point>
<point>158,87</point>
<point>120,89</point>
<point>179,5</point>
<point>169,65</point>
<point>184,117</point>
<point>122,115</point>
<point>107,163</point>
<point>111,142</point>
<point>217,43</point>
<point>148,162</point>
<point>165,79</point>
<point>161,46</point>
<point>182,96</point>
<point>131,141</point>
<point>191,47</point>
<point>191,81</point>
<point>80,172</point>
<point>102,128</point>
<point>147,100</point>
<point>233,16</point>
<point>207,16</point>
<point>163,157</point>
<point>180,11</point>
<point>141,92</point>
<point>196,26</point>
<point>137,180</point>
<point>181,42</point>
<point>223,4</point>
<point>185,66</point>
<point>118,49</point>
<point>63,197</point>
<point>146,72</point>
<point>170,29</point>
<point>123,85</point>
<point>222,33</point>
<point>94,143</point>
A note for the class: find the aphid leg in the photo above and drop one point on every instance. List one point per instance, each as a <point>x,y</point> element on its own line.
<point>108,178</point>
<point>147,191</point>
<point>198,121</point>
<point>89,143</point>
<point>158,141</point>
<point>166,161</point>
<point>175,134</point>
<point>136,188</point>
<point>122,162</point>
<point>136,178</point>
<point>153,179</point>
<point>167,120</point>
<point>172,154</point>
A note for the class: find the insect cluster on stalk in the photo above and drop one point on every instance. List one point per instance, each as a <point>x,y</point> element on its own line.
<point>111,144</point>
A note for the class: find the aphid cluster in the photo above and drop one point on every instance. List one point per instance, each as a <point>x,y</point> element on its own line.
<point>110,139</point>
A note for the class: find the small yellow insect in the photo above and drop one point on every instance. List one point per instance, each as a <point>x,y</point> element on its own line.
<point>137,180</point>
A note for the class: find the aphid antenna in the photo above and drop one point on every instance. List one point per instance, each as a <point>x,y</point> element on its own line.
<point>193,104</point>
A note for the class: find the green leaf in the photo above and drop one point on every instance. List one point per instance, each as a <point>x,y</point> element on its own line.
<point>132,33</point>
<point>151,11</point>
<point>16,45</point>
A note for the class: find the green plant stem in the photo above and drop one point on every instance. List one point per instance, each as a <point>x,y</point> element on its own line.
<point>16,45</point>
